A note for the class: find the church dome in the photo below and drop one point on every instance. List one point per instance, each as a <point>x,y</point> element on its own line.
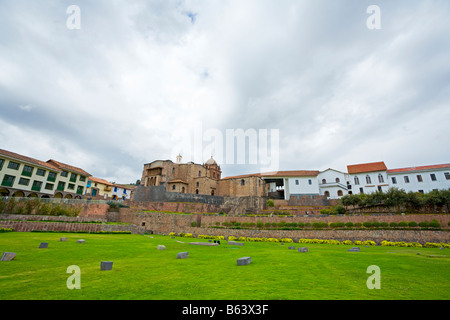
<point>211,161</point>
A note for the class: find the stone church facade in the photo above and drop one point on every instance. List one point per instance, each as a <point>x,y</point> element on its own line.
<point>204,179</point>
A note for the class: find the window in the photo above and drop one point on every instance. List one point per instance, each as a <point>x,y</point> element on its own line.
<point>379,188</point>
<point>1,163</point>
<point>80,189</point>
<point>125,191</point>
<point>338,180</point>
<point>421,191</point>
<point>324,181</point>
<point>326,194</point>
<point>296,182</point>
<point>433,177</point>
<point>24,181</point>
<point>394,180</point>
<point>82,179</point>
<point>61,186</point>
<point>197,184</point>
<point>73,177</point>
<point>51,176</point>
<point>199,173</point>
<point>173,187</point>
<point>419,178</point>
<point>71,186</point>
<point>64,174</point>
<point>406,179</point>
<point>368,180</point>
<point>242,182</point>
<point>49,186</point>
<point>356,180</point>
<point>37,185</point>
<point>447,174</point>
<point>40,172</point>
<point>13,165</point>
<point>340,193</point>
<point>27,171</point>
<point>309,181</point>
<point>196,191</point>
<point>8,180</point>
<point>380,178</point>
<point>361,190</point>
<point>115,189</point>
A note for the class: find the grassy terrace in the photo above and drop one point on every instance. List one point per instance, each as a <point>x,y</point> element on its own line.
<point>140,271</point>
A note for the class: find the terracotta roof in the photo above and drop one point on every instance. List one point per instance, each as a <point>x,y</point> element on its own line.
<point>102,181</point>
<point>28,159</point>
<point>294,173</point>
<point>366,167</point>
<point>420,168</point>
<point>64,166</point>
<point>178,181</point>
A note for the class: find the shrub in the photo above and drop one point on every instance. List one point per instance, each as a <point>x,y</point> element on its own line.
<point>267,225</point>
<point>172,234</point>
<point>332,225</point>
<point>435,224</point>
<point>367,224</point>
<point>301,225</point>
<point>412,224</point>
<point>270,203</point>
<point>325,211</point>
<point>339,209</point>
<point>259,224</point>
<point>193,223</point>
<point>340,224</point>
<point>349,224</point>
<point>384,224</point>
<point>376,224</point>
<point>347,242</point>
<point>393,224</point>
<point>6,230</point>
<point>358,224</point>
<point>187,235</point>
<point>402,224</point>
<point>424,224</point>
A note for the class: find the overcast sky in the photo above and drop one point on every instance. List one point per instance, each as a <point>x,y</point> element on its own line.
<point>140,77</point>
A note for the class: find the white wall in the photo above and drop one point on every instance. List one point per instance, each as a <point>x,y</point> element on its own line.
<point>426,185</point>
<point>374,182</point>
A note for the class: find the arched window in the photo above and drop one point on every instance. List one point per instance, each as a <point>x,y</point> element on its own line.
<point>196,191</point>
<point>324,181</point>
<point>173,170</point>
<point>327,194</point>
<point>242,182</point>
<point>173,187</point>
<point>182,190</point>
<point>199,173</point>
<point>340,193</point>
<point>368,180</point>
<point>338,180</point>
<point>212,192</point>
<point>380,178</point>
<point>356,180</point>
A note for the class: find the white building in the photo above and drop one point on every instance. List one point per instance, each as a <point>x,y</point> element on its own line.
<point>420,179</point>
<point>292,183</point>
<point>333,183</point>
<point>121,192</point>
<point>367,177</point>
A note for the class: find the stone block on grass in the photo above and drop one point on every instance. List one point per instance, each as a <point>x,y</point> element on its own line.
<point>244,261</point>
<point>354,249</point>
<point>81,241</point>
<point>161,247</point>
<point>8,256</point>
<point>106,265</point>
<point>43,245</point>
<point>291,248</point>
<point>303,249</point>
<point>62,239</point>
<point>234,243</point>
<point>182,255</point>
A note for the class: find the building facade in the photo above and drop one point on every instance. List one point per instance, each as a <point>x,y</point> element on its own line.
<point>22,176</point>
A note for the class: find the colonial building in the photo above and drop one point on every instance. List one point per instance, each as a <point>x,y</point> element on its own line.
<point>22,176</point>
<point>367,177</point>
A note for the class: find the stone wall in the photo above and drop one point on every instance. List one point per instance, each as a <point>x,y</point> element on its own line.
<point>165,223</point>
<point>52,223</point>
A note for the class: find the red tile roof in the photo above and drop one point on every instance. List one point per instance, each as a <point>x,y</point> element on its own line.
<point>366,167</point>
<point>64,166</point>
<point>421,168</point>
<point>102,181</point>
<point>28,160</point>
<point>293,173</point>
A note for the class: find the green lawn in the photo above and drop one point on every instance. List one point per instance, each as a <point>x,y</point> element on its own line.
<point>141,272</point>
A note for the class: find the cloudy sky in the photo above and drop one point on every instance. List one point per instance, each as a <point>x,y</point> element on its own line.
<point>145,80</point>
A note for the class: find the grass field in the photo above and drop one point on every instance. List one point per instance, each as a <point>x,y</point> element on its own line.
<point>141,272</point>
